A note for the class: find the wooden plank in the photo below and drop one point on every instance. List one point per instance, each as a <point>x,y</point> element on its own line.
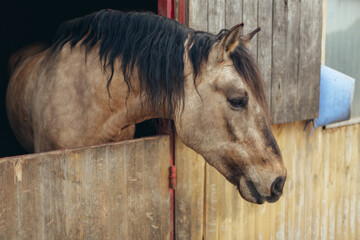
<point>310,56</point>
<point>8,213</point>
<point>95,194</point>
<point>234,12</point>
<point>29,200</point>
<point>152,188</point>
<point>189,198</point>
<point>216,15</point>
<point>285,62</point>
<point>117,220</point>
<point>162,155</point>
<point>135,192</point>
<point>52,185</point>
<point>354,180</point>
<point>74,195</point>
<point>212,204</point>
<point>198,14</point>
<point>250,17</point>
<point>101,192</point>
<point>264,44</point>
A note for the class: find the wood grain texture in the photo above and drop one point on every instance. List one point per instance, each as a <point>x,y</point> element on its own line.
<point>8,200</point>
<point>250,18</point>
<point>234,13</point>
<point>189,193</point>
<point>285,80</point>
<point>310,58</point>
<point>264,44</point>
<point>198,14</point>
<point>216,15</point>
<point>321,194</point>
<point>101,192</point>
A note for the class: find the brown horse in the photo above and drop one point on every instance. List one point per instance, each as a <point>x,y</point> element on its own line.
<point>107,71</point>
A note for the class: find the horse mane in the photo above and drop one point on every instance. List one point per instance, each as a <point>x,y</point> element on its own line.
<point>156,45</point>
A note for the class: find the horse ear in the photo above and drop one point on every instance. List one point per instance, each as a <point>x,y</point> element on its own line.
<point>232,38</point>
<point>247,38</point>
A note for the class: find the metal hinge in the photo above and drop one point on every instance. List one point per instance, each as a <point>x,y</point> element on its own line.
<point>172,177</point>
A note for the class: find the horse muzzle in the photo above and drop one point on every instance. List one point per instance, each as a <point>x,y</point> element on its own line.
<point>250,190</point>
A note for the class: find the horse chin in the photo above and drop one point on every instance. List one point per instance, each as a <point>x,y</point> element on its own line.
<point>248,191</point>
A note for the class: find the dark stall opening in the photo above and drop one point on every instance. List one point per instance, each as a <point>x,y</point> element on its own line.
<point>25,22</point>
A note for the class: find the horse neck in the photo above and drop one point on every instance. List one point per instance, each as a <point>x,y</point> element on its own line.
<point>132,105</point>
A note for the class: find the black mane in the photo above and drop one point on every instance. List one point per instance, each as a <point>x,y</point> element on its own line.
<point>154,44</point>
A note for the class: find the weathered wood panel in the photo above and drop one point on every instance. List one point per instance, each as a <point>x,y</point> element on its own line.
<point>198,14</point>
<point>216,15</point>
<point>309,58</point>
<point>286,30</point>
<point>264,51</point>
<point>287,49</point>
<point>114,191</point>
<point>321,194</point>
<point>189,193</point>
<point>233,10</point>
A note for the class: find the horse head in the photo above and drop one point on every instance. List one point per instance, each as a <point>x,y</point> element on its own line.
<point>225,118</point>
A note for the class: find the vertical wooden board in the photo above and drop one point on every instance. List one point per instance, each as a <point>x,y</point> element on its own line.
<point>357,207</point>
<point>250,18</point>
<point>74,202</point>
<point>310,58</point>
<point>156,189</point>
<point>338,152</point>
<point>284,85</point>
<point>264,44</point>
<point>189,194</point>
<point>236,207</point>
<point>347,184</point>
<point>354,182</point>
<point>29,200</point>
<point>316,185</point>
<point>224,213</point>
<point>233,13</point>
<point>95,194</point>
<point>198,14</point>
<point>278,60</point>
<point>326,201</point>
<point>135,192</point>
<point>164,159</point>
<point>117,219</point>
<point>52,187</point>
<point>8,208</point>
<point>216,15</point>
<point>212,203</point>
<point>331,182</point>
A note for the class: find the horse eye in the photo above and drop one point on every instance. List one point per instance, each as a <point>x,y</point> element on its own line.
<point>240,102</point>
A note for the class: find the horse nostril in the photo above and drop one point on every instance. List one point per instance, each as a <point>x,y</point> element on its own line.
<point>277,186</point>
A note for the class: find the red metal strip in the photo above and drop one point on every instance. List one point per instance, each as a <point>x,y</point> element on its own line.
<point>166,126</point>
<point>182,11</point>
<point>166,8</point>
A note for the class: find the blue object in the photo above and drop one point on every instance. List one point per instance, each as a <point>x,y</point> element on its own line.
<point>336,95</point>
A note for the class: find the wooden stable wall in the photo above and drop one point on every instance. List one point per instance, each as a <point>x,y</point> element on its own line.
<point>287,49</point>
<point>321,197</point>
<point>114,191</point>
